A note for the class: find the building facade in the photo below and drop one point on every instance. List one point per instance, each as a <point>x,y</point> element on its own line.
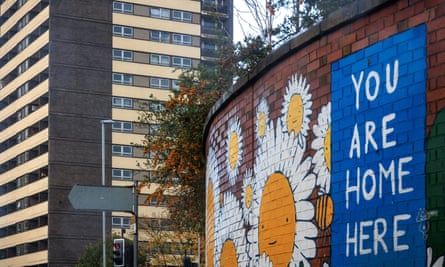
<point>65,66</point>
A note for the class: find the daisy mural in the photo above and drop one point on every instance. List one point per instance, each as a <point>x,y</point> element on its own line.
<point>230,245</point>
<point>284,177</point>
<point>234,149</point>
<point>296,109</point>
<point>322,167</point>
<point>262,119</point>
<point>213,206</point>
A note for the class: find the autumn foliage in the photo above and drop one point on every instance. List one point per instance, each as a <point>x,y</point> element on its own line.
<point>177,153</point>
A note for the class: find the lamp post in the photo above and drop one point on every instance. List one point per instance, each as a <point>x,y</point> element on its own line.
<point>104,241</point>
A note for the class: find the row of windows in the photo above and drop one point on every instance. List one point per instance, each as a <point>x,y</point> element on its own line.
<point>155,59</point>
<point>152,82</point>
<point>24,203</point>
<point>139,104</point>
<point>23,135</point>
<point>157,36</point>
<point>24,180</point>
<point>23,21</point>
<point>24,226</point>
<point>155,12</point>
<point>24,66</point>
<point>24,43</point>
<point>24,157</point>
<point>23,249</point>
<point>24,88</point>
<point>24,112</point>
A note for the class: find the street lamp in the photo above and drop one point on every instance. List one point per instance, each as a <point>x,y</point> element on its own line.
<point>104,241</point>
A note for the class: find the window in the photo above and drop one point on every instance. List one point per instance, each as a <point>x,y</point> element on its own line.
<point>181,62</point>
<point>157,106</point>
<point>120,150</point>
<point>122,174</point>
<point>160,60</point>
<point>160,13</point>
<point>182,16</point>
<point>160,83</point>
<point>120,222</point>
<point>122,102</point>
<point>158,36</point>
<point>122,7</point>
<point>121,78</point>
<point>182,39</point>
<point>122,31</point>
<point>122,126</point>
<point>124,55</point>
<point>175,85</point>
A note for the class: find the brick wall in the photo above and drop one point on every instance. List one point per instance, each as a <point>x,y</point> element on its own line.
<point>331,152</point>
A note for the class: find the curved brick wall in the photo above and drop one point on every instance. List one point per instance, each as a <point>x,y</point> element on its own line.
<point>332,153</point>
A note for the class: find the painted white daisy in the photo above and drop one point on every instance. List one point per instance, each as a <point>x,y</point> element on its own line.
<point>249,189</point>
<point>283,176</point>
<point>230,243</point>
<point>234,149</point>
<point>262,119</point>
<point>322,145</point>
<point>213,207</point>
<point>296,109</point>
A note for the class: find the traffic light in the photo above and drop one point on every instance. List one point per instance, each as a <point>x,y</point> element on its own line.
<point>119,252</point>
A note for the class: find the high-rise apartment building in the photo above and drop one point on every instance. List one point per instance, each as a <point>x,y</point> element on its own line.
<point>65,66</point>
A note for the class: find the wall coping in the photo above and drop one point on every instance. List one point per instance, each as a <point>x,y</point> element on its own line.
<point>335,20</point>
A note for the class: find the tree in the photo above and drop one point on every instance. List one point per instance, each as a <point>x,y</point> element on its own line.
<point>92,255</point>
<point>279,20</point>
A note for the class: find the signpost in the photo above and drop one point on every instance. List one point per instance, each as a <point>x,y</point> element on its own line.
<point>110,198</point>
<point>107,198</point>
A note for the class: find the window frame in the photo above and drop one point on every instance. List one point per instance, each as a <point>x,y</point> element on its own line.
<point>161,60</point>
<point>120,150</point>
<point>182,63</point>
<point>122,102</point>
<point>119,126</point>
<point>122,174</point>
<point>183,16</point>
<point>124,79</point>
<point>122,55</point>
<point>181,39</point>
<point>160,13</point>
<point>159,83</point>
<point>125,8</point>
<point>123,31</point>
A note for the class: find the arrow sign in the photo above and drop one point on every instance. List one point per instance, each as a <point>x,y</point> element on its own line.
<point>112,198</point>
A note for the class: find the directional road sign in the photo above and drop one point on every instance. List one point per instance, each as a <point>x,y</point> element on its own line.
<point>110,198</point>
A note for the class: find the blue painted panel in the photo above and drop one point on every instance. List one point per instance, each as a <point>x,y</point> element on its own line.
<point>378,159</point>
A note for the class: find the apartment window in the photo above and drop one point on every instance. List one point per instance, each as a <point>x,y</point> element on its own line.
<point>122,102</point>
<point>182,16</point>
<point>122,174</point>
<point>122,31</point>
<point>158,36</point>
<point>120,222</point>
<point>122,126</point>
<point>160,60</point>
<point>160,13</point>
<point>175,85</point>
<point>121,78</point>
<point>157,106</point>
<point>182,39</point>
<point>123,55</point>
<point>122,7</point>
<point>160,83</point>
<point>120,150</point>
<point>181,62</point>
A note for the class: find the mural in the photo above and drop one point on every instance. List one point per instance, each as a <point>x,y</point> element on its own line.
<point>339,185</point>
